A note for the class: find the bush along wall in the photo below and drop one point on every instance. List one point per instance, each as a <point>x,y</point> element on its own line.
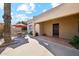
<point>75,42</point>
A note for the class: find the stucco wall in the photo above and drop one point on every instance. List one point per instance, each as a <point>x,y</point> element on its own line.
<point>68,27</point>
<point>37,28</point>
<point>41,28</point>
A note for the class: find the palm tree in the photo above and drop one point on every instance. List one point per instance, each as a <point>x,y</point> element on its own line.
<point>7,22</point>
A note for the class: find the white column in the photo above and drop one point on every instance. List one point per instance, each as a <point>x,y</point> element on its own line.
<point>34,29</point>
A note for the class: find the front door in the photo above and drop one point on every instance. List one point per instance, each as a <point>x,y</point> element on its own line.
<point>56,30</point>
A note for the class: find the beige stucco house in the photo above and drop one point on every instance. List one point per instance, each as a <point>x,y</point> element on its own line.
<point>61,21</point>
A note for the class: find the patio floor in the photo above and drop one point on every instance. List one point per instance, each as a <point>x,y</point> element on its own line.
<point>56,40</point>
<point>58,48</point>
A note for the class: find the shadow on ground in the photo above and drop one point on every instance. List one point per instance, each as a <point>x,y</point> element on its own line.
<point>16,42</point>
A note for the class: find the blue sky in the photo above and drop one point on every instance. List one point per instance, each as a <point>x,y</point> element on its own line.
<point>25,11</point>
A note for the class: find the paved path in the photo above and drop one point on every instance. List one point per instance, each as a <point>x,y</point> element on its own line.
<point>57,49</point>
<point>38,48</point>
<point>32,48</point>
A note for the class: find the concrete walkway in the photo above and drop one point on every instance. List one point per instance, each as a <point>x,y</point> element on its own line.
<point>57,49</point>
<point>37,47</point>
<point>31,48</point>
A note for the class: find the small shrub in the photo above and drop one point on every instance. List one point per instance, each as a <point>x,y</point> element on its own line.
<point>75,42</point>
<point>31,33</point>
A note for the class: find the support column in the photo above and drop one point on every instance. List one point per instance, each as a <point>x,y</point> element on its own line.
<point>7,22</point>
<point>34,29</point>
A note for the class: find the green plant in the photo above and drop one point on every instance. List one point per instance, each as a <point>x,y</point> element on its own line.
<point>75,42</point>
<point>23,22</point>
<point>24,28</point>
<point>31,33</point>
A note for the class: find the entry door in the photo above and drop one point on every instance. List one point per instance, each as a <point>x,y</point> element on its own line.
<point>56,30</point>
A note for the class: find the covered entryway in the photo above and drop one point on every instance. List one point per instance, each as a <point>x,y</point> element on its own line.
<point>63,27</point>
<point>67,20</point>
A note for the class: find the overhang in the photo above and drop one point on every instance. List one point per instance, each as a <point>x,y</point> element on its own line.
<point>62,10</point>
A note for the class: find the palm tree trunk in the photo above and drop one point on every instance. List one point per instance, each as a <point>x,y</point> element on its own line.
<point>7,22</point>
